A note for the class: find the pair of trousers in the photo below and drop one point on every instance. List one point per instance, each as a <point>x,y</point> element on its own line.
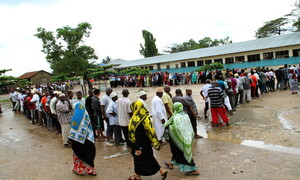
<point>253,91</point>
<point>117,133</point>
<point>194,123</point>
<point>65,131</point>
<point>247,94</point>
<point>125,133</point>
<point>215,112</point>
<point>232,100</point>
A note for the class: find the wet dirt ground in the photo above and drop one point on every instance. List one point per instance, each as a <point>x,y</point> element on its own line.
<point>263,143</point>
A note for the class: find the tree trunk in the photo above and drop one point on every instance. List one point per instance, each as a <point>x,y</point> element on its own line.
<point>85,77</point>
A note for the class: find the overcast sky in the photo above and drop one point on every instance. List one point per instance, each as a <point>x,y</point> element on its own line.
<point>118,24</point>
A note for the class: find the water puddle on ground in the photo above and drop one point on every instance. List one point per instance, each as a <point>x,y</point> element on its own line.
<point>286,123</point>
<point>271,147</point>
<point>123,153</point>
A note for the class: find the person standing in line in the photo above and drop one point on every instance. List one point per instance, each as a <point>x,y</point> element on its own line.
<point>124,114</point>
<point>143,138</point>
<point>285,72</point>
<point>167,100</point>
<point>53,104</point>
<point>36,99</point>
<point>159,114</point>
<point>98,111</point>
<point>112,113</point>
<point>104,105</point>
<point>215,94</point>
<point>253,85</point>
<point>64,115</point>
<point>247,80</point>
<point>31,108</point>
<point>193,118</point>
<point>89,108</point>
<point>293,82</point>
<point>203,93</point>
<point>181,141</point>
<point>79,98</point>
<point>82,138</point>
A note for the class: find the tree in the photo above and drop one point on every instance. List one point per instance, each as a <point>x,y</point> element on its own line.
<point>66,51</point>
<point>136,71</point>
<point>10,80</point>
<point>211,66</point>
<point>106,60</point>
<point>272,28</point>
<point>149,49</point>
<point>202,43</point>
<point>101,71</point>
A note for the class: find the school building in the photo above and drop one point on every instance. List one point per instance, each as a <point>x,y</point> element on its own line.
<point>269,52</point>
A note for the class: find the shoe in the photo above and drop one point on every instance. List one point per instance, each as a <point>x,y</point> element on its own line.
<point>109,144</point>
<point>168,165</point>
<point>164,176</point>
<point>198,136</point>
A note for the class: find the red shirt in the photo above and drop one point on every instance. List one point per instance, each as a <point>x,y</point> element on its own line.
<point>30,104</point>
<point>254,81</point>
<point>43,101</point>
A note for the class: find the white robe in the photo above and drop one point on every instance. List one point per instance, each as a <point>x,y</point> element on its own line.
<point>158,113</point>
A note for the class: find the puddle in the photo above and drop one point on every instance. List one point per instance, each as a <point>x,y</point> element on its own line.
<point>123,153</point>
<point>271,147</point>
<point>255,106</point>
<point>285,122</point>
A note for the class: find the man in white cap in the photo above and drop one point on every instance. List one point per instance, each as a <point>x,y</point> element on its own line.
<point>36,99</point>
<point>112,112</point>
<point>143,98</point>
<point>105,101</point>
<point>159,114</point>
<point>53,103</point>
<point>64,115</point>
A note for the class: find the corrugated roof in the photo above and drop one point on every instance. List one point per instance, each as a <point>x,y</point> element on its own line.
<point>30,74</point>
<point>252,45</point>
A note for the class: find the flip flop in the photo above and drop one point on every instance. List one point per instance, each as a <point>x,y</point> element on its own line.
<point>164,176</point>
<point>168,165</point>
<point>133,177</point>
<point>192,173</point>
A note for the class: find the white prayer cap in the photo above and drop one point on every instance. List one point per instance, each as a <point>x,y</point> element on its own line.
<point>142,93</point>
<point>55,92</point>
<point>62,95</point>
<point>59,92</point>
<point>113,94</point>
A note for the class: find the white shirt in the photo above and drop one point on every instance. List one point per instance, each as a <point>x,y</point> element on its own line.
<point>82,101</point>
<point>52,105</point>
<point>105,101</point>
<point>123,105</point>
<point>36,99</point>
<point>204,89</point>
<point>112,108</point>
<point>158,113</point>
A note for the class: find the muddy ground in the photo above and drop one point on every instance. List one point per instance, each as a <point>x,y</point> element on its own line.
<point>263,143</point>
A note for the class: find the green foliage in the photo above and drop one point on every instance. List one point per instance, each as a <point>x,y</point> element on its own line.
<point>7,80</point>
<point>202,43</point>
<point>135,71</point>
<point>2,71</point>
<point>62,77</point>
<point>211,66</point>
<point>22,83</point>
<point>149,49</point>
<point>101,71</point>
<point>65,51</point>
<point>272,28</point>
<point>106,60</point>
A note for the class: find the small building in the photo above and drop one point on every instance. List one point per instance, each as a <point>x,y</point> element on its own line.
<point>269,52</point>
<point>37,77</point>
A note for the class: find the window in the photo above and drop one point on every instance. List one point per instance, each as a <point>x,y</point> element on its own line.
<point>282,54</point>
<point>200,63</point>
<point>219,61</point>
<point>268,55</point>
<point>141,67</point>
<point>183,65</point>
<point>191,64</point>
<point>168,67</point>
<point>158,67</point>
<point>150,68</point>
<point>239,59</point>
<point>146,67</point>
<point>208,61</point>
<point>254,57</point>
<point>176,66</point>
<point>296,52</point>
<point>229,60</point>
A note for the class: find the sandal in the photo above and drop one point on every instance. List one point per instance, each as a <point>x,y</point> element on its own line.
<point>133,177</point>
<point>192,173</point>
<point>164,176</point>
<point>168,165</point>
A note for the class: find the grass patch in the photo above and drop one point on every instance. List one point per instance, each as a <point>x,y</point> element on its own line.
<point>4,100</point>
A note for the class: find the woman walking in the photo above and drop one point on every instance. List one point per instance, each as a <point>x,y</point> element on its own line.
<point>181,140</point>
<point>143,138</point>
<point>293,81</point>
<point>82,139</point>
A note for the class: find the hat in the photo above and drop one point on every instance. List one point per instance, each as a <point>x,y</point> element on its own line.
<point>159,90</point>
<point>62,95</point>
<point>59,92</point>
<point>142,93</point>
<point>55,92</point>
<point>108,89</point>
<point>236,75</point>
<point>113,94</point>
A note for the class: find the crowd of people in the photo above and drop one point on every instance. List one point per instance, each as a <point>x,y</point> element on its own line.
<point>82,121</point>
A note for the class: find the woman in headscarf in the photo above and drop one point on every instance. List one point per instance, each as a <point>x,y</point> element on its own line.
<point>82,139</point>
<point>181,137</point>
<point>293,81</point>
<point>143,138</point>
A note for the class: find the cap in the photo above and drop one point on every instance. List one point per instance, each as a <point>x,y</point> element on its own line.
<point>113,94</point>
<point>142,93</point>
<point>236,75</point>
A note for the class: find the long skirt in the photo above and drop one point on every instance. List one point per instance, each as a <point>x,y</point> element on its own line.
<point>179,160</point>
<point>83,157</point>
<point>293,85</point>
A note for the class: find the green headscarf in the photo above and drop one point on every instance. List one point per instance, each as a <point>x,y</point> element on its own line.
<point>181,131</point>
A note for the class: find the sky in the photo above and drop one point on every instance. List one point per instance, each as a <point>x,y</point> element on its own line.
<point>118,24</point>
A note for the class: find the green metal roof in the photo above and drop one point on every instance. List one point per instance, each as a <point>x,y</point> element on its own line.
<point>252,45</point>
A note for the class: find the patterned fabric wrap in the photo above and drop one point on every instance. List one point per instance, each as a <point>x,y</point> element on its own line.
<point>81,128</point>
<point>141,117</point>
<point>81,167</point>
<point>181,131</point>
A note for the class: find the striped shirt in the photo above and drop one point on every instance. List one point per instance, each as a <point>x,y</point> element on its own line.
<point>215,95</point>
<point>62,108</point>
